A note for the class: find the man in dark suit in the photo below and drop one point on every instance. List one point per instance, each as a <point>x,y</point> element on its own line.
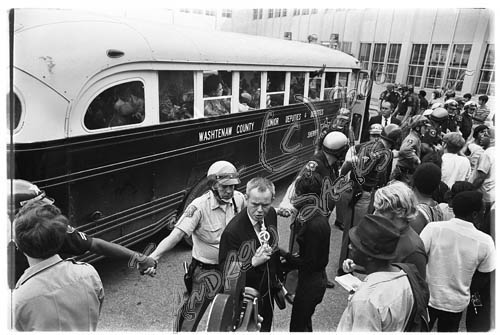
<point>244,241</point>
<point>385,118</point>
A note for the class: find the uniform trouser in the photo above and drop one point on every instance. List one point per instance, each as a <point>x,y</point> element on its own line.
<point>360,210</point>
<point>447,321</point>
<point>206,284</point>
<point>310,292</point>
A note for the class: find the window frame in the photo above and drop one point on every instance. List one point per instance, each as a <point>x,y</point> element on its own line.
<point>418,66</point>
<point>490,84</point>
<point>440,66</point>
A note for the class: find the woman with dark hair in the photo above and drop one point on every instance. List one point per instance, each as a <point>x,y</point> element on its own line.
<point>313,239</point>
<point>212,88</point>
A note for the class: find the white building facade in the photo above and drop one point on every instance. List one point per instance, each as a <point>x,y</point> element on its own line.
<point>442,48</point>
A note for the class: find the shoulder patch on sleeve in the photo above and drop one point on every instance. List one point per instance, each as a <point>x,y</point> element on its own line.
<point>189,212</point>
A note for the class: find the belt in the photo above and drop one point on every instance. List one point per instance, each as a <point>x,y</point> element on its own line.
<point>204,266</point>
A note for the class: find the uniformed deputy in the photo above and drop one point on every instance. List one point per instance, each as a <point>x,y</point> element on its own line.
<point>434,133</point>
<point>451,107</point>
<point>410,150</point>
<point>326,163</point>
<point>75,242</point>
<point>204,219</point>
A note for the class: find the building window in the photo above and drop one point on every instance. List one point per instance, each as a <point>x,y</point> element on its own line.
<point>270,13</point>
<point>364,55</point>
<point>184,10</point>
<point>437,62</point>
<point>457,66</point>
<point>346,47</point>
<point>277,12</point>
<point>305,11</point>
<point>314,11</point>
<point>210,12</point>
<point>392,63</point>
<point>378,58</point>
<point>227,13</point>
<point>486,84</point>
<point>296,11</point>
<point>416,66</point>
<point>257,13</point>
<point>197,11</point>
<point>283,12</point>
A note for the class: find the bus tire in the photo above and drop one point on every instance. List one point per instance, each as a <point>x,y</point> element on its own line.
<point>196,191</point>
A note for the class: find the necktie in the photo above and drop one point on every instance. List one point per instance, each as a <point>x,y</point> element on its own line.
<point>385,122</point>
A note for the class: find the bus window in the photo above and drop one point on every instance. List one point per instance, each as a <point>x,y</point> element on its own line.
<point>275,88</point>
<point>250,89</point>
<point>117,106</point>
<point>343,78</point>
<point>297,80</point>
<point>217,92</point>
<point>330,80</point>
<point>314,86</point>
<point>16,117</point>
<point>176,95</point>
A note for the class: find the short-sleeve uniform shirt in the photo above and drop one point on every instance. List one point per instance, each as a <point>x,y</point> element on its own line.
<point>205,219</point>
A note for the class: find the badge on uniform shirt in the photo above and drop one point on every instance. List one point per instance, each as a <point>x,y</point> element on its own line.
<point>189,212</point>
<point>69,229</point>
<point>432,132</point>
<point>409,141</point>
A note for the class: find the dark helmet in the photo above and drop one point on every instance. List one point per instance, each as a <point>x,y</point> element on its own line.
<point>449,94</point>
<point>23,192</point>
<point>392,133</point>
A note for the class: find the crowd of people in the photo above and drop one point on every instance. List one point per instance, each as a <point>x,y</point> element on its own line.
<point>432,206</point>
<point>415,201</point>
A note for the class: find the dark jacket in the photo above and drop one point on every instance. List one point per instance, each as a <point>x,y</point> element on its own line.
<point>378,119</point>
<point>240,232</point>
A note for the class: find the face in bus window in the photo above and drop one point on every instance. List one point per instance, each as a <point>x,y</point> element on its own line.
<point>130,109</point>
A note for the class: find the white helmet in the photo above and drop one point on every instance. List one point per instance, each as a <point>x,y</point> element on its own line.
<point>376,129</point>
<point>335,142</point>
<point>223,172</point>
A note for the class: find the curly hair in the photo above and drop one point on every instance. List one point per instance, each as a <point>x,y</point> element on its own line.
<point>397,198</point>
<point>40,229</point>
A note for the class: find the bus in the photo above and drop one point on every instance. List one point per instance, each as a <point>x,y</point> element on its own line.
<point>119,119</point>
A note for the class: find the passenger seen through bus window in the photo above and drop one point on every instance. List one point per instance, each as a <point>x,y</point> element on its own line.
<point>297,80</point>
<point>213,88</point>
<point>275,89</point>
<point>119,105</point>
<point>129,106</point>
<point>176,95</point>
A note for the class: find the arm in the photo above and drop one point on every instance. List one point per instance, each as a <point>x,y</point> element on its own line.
<point>479,180</point>
<point>168,243</point>
<point>113,250</point>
